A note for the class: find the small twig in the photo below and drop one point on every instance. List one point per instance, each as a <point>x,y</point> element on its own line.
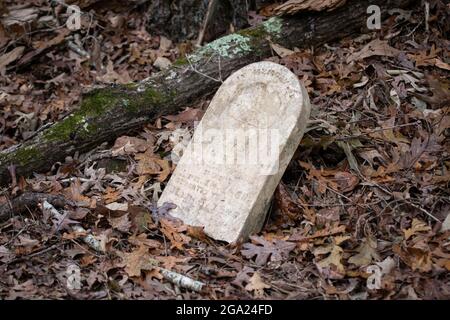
<point>201,33</point>
<point>404,200</point>
<point>424,211</point>
<point>34,254</point>
<point>40,129</point>
<point>378,130</point>
<point>96,155</point>
<point>427,16</point>
<point>89,239</point>
<point>78,50</point>
<point>220,71</point>
<point>201,73</point>
<point>28,200</point>
<point>182,280</point>
<point>75,179</point>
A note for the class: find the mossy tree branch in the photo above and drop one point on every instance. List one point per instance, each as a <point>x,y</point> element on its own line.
<point>107,113</point>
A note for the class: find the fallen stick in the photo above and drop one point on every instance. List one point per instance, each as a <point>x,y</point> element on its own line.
<point>89,239</point>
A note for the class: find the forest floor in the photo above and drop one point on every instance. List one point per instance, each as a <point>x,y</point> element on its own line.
<point>362,211</point>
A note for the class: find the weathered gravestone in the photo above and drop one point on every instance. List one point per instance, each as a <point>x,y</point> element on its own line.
<point>239,151</point>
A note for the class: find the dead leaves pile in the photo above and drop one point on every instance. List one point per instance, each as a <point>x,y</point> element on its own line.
<point>362,212</point>
<point>112,46</point>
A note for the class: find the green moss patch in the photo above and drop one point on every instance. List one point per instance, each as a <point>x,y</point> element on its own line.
<point>97,103</point>
<point>26,154</point>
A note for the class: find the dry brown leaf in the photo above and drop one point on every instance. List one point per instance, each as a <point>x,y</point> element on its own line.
<point>73,192</point>
<point>44,44</point>
<point>150,164</point>
<point>376,47</point>
<point>9,57</point>
<point>285,202</point>
<point>188,115</point>
<point>331,267</point>
<point>443,263</point>
<point>423,59</point>
<point>5,254</point>
<point>137,260</point>
<point>387,265</point>
<point>121,223</point>
<point>319,234</point>
<point>142,239</point>
<point>367,252</point>
<point>276,250</point>
<point>341,239</point>
<point>416,227</point>
<point>116,206</point>
<point>441,93</point>
<point>281,51</point>
<point>257,285</point>
<point>111,76</point>
<point>26,241</point>
<point>416,258</point>
<point>441,64</point>
<point>129,145</point>
<point>173,230</point>
<point>140,218</point>
<point>197,233</point>
<point>162,63</point>
<point>420,259</point>
<point>111,195</point>
<point>164,44</point>
<point>346,181</point>
<point>328,215</point>
<point>87,260</point>
<point>320,176</point>
<point>170,262</point>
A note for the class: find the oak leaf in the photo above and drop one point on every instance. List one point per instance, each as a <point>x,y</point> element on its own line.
<point>173,229</point>
<point>257,285</point>
<point>149,163</point>
<point>376,47</point>
<point>416,227</point>
<point>137,260</point>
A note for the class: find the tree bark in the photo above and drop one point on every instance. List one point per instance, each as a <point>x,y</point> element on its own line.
<point>107,113</point>
<point>28,200</point>
<point>185,19</point>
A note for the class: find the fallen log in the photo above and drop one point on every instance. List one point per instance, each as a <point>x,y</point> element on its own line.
<point>193,19</point>
<point>107,113</point>
<point>27,201</point>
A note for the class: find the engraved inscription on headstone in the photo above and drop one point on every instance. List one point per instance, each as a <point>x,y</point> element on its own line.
<point>239,151</point>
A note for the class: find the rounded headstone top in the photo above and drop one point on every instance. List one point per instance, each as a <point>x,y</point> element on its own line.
<point>239,151</point>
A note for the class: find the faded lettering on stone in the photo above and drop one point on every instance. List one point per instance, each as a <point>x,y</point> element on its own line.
<point>239,151</point>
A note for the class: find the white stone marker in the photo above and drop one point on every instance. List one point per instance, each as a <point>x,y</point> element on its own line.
<point>239,151</point>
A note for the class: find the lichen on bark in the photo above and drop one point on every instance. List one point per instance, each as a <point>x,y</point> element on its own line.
<point>226,47</point>
<point>273,26</point>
